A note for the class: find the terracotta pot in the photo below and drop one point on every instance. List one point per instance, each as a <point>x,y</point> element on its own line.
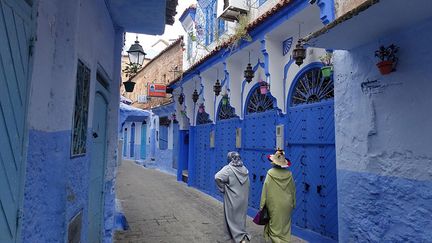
<point>385,67</point>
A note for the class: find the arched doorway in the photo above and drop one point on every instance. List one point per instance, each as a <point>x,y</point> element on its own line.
<point>203,152</point>
<point>259,138</point>
<point>310,144</point>
<point>226,127</point>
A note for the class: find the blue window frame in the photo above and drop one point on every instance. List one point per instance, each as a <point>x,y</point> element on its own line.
<point>209,8</point>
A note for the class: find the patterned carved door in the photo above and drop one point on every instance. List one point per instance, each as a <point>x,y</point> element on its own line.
<point>15,35</point>
<point>259,139</point>
<point>204,158</point>
<point>310,145</point>
<point>225,135</point>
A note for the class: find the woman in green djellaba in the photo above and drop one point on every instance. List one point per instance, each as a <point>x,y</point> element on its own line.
<point>278,195</point>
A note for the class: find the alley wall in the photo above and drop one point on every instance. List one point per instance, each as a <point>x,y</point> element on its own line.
<point>57,185</point>
<point>383,140</point>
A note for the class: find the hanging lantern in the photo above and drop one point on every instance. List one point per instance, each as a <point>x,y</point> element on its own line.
<point>249,73</point>
<point>136,53</point>
<point>299,53</point>
<point>129,86</point>
<point>263,87</point>
<point>181,98</point>
<point>201,108</point>
<point>225,99</point>
<point>195,96</point>
<point>217,87</point>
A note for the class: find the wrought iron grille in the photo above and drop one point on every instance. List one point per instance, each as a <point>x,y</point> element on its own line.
<point>259,102</point>
<point>311,87</point>
<point>79,131</point>
<point>226,111</point>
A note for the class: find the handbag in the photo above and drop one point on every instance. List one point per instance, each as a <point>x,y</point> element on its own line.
<point>262,217</point>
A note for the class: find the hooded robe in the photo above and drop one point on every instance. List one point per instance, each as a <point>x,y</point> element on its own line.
<point>233,181</point>
<point>278,194</point>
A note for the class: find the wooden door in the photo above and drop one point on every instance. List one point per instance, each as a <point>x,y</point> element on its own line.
<point>15,35</point>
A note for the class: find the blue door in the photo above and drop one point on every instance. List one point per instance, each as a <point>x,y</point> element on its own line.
<point>132,141</point>
<point>259,139</point>
<point>204,175</point>
<point>163,137</point>
<point>97,165</point>
<point>143,140</point>
<point>311,147</point>
<point>176,145</point>
<point>225,135</point>
<point>15,34</point>
<point>125,142</point>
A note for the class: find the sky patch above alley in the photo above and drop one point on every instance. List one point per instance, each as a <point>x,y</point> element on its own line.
<point>171,33</point>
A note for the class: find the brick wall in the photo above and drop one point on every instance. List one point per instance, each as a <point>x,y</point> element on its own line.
<point>343,6</point>
<point>124,62</point>
<point>158,70</point>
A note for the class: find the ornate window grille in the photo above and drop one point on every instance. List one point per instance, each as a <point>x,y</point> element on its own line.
<point>226,111</point>
<point>259,102</point>
<point>311,87</point>
<point>80,119</point>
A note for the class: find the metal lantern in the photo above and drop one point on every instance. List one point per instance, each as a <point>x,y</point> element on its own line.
<point>299,53</point>
<point>249,73</point>
<point>129,86</point>
<point>136,53</point>
<point>217,88</point>
<point>195,96</point>
<point>181,98</point>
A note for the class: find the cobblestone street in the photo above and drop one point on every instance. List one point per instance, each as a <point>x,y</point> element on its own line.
<point>160,209</point>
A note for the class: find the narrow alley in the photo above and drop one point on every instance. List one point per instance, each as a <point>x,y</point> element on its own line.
<point>160,209</point>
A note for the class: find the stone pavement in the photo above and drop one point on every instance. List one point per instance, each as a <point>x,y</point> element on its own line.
<point>160,209</point>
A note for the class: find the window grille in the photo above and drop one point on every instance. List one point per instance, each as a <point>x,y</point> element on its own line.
<point>226,111</point>
<point>259,102</point>
<point>311,87</point>
<point>80,118</point>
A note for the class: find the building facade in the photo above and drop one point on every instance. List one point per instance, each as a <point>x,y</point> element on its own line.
<point>162,69</point>
<point>358,140</point>
<point>382,132</point>
<point>149,140</point>
<point>284,105</point>
<point>60,74</point>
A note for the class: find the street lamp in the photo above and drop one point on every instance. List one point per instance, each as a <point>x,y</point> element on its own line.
<point>136,53</point>
<point>136,56</point>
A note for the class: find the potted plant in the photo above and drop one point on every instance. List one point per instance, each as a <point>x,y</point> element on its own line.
<point>327,60</point>
<point>388,58</point>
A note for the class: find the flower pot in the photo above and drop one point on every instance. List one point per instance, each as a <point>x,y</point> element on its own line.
<point>129,86</point>
<point>385,67</point>
<point>326,71</point>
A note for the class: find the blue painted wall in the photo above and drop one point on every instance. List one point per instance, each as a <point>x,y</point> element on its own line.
<point>47,207</point>
<point>383,141</point>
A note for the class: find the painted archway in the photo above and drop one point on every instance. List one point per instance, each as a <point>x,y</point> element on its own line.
<point>258,138</point>
<point>310,145</point>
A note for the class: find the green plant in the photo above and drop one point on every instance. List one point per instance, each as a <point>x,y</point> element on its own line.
<point>327,59</point>
<point>131,69</point>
